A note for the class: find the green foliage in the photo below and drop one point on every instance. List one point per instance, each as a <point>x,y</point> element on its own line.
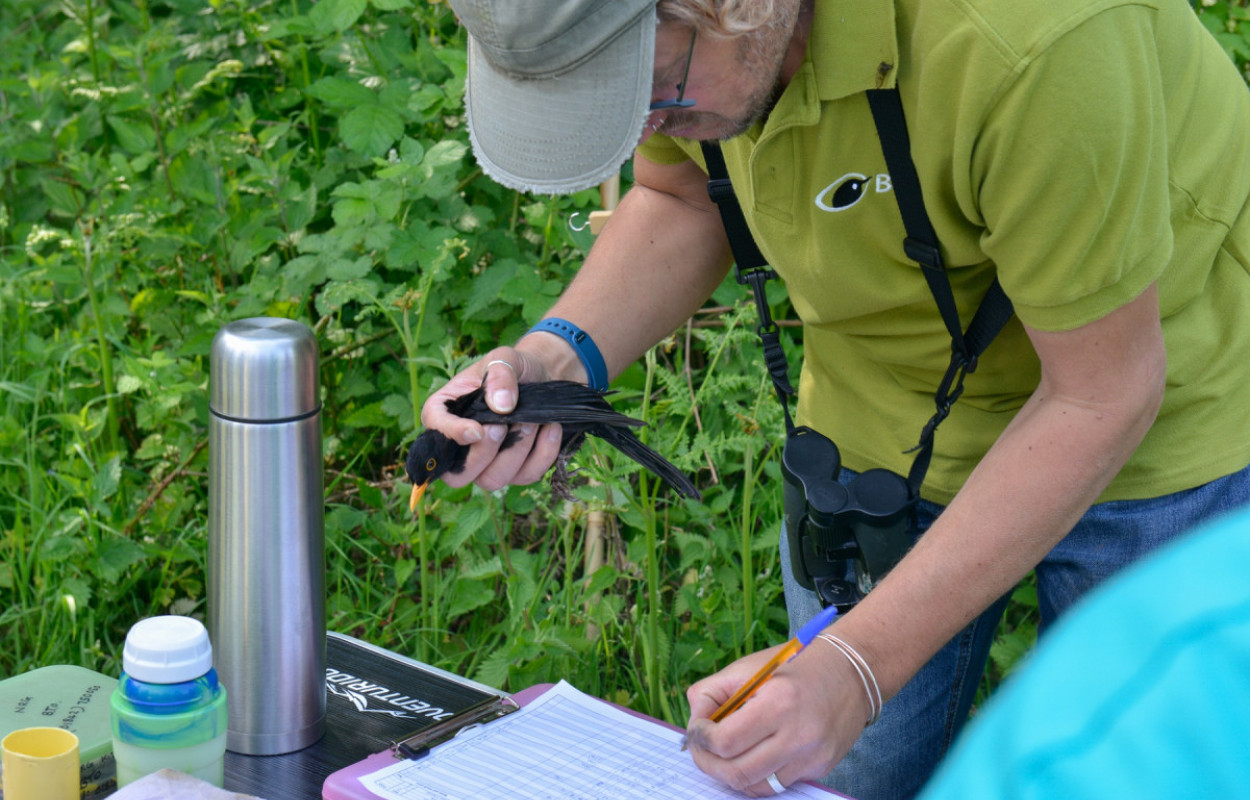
<point>167,167</point>
<point>1229,22</point>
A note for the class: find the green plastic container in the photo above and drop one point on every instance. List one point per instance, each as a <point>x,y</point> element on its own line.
<point>69,697</point>
<point>168,710</point>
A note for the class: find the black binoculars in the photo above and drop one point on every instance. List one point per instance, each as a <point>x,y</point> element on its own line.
<point>843,539</point>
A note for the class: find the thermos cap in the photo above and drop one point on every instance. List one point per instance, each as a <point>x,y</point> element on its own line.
<point>168,649</point>
<point>263,369</point>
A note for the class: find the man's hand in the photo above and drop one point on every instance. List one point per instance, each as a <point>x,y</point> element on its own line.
<point>797,725</point>
<point>661,255</point>
<point>500,371</point>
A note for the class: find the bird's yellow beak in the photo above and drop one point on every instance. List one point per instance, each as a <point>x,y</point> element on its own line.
<point>417,491</point>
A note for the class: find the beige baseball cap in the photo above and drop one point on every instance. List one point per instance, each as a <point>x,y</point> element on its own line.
<point>558,90</point>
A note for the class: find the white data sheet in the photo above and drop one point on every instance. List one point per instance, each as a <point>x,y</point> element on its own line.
<point>565,745</point>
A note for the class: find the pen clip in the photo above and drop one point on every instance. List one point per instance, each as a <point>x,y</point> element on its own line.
<point>419,744</point>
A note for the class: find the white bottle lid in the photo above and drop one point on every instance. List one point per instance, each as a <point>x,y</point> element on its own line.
<point>168,649</point>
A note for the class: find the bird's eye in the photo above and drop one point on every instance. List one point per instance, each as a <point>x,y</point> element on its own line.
<point>431,464</point>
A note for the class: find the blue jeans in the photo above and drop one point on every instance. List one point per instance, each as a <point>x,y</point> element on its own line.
<point>894,757</point>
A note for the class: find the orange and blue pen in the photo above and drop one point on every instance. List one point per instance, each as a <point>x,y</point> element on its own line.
<point>788,651</point>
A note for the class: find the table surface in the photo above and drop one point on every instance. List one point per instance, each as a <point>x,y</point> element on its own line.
<point>372,700</point>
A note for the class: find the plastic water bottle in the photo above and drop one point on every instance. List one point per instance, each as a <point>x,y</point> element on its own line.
<point>168,710</point>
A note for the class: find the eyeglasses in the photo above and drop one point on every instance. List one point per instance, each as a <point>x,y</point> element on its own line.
<point>679,101</point>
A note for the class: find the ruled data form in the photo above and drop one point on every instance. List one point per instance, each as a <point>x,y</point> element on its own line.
<point>564,745</point>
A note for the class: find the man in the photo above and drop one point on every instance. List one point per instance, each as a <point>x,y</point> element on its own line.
<point>1093,157</point>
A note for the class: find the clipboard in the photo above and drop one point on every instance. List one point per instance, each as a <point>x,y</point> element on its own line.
<point>373,697</point>
<point>346,784</point>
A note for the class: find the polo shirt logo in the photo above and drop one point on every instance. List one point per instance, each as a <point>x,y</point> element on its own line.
<point>848,190</point>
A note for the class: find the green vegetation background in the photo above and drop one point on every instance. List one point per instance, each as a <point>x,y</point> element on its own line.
<point>170,166</point>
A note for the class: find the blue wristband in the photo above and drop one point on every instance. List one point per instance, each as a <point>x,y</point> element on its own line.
<point>583,345</point>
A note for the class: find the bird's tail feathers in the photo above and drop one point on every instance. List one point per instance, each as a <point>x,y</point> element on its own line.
<point>632,446</point>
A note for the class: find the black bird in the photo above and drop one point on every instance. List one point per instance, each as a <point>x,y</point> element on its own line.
<point>579,409</point>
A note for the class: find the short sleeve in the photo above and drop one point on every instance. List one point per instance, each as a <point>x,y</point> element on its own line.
<point>1072,173</point>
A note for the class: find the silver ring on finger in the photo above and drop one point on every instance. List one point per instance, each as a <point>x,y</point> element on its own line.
<point>490,364</point>
<point>777,785</point>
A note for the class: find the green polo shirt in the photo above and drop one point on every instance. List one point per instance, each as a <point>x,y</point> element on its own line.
<point>1079,151</point>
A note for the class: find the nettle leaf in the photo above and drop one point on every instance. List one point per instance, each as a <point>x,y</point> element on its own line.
<point>467,595</point>
<point>488,287</point>
<point>370,416</point>
<point>446,153</point>
<point>301,273</point>
<point>411,150</point>
<point>522,284</point>
<point>193,178</point>
<point>471,518</point>
<point>35,150</point>
<point>536,304</point>
<point>116,555</point>
<point>342,93</point>
<point>343,520</point>
<point>79,589</point>
<point>390,5</point>
<point>422,245</point>
<point>366,203</point>
<point>339,293</point>
<point>344,270</point>
<point>429,98</point>
<point>128,384</point>
<point>396,92</point>
<point>152,446</point>
<point>336,15</point>
<point>494,668</point>
<point>281,28</point>
<point>399,407</point>
<point>371,129</point>
<point>299,206</point>
<point>404,568</point>
<point>404,252</point>
<point>104,483</point>
<point>134,137</point>
<point>378,237</point>
<point>489,568</point>
<point>441,165</point>
<point>63,197</point>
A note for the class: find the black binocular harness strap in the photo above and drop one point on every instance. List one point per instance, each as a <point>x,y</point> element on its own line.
<point>920,244</point>
<point>750,267</point>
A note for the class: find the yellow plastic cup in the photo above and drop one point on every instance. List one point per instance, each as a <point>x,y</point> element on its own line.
<point>40,764</point>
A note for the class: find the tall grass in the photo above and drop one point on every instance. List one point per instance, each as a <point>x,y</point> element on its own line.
<point>168,167</point>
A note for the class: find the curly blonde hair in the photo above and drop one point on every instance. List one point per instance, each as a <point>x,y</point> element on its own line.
<point>719,17</point>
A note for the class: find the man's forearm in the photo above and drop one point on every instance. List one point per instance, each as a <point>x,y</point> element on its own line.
<point>1024,497</point>
<point>656,261</point>
<point>1047,468</point>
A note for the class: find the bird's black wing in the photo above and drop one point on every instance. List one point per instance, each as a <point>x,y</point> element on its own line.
<point>629,444</point>
<point>576,402</point>
<point>545,402</point>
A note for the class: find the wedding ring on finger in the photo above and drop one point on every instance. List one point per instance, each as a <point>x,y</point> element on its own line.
<point>777,785</point>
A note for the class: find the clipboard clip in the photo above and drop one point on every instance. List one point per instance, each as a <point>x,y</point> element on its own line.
<point>419,744</point>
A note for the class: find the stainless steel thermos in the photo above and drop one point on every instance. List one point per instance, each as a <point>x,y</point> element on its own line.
<point>266,534</point>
